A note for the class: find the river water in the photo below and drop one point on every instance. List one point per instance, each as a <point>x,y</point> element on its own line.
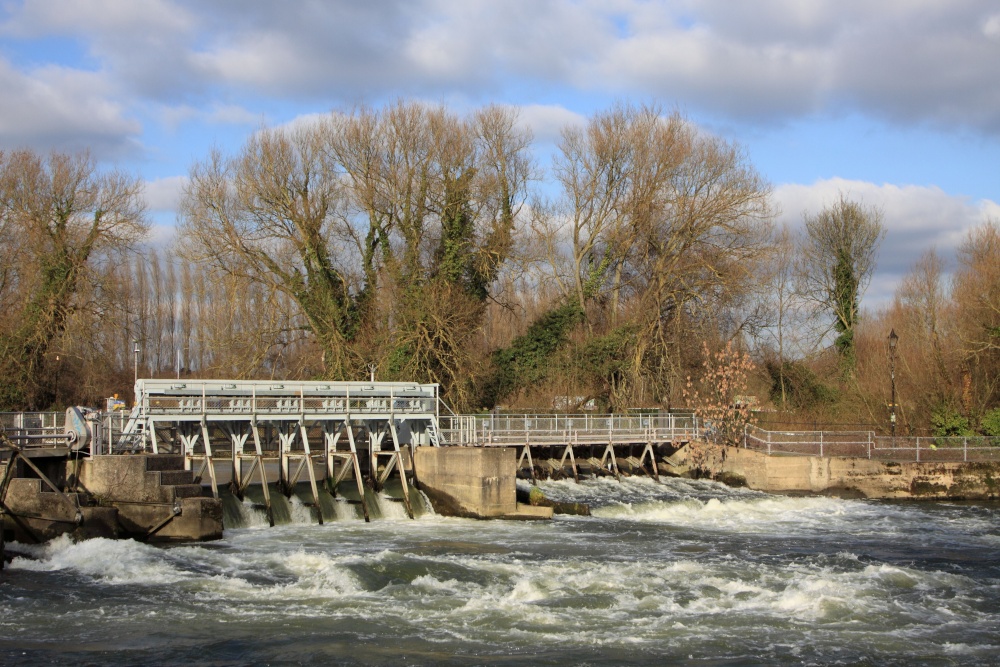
<point>684,572</point>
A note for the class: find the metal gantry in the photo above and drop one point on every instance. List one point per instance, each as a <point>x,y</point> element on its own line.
<point>291,426</point>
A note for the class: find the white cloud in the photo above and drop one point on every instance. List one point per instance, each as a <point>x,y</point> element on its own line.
<point>164,194</point>
<point>214,113</point>
<point>173,115</point>
<point>255,59</point>
<point>109,18</point>
<point>547,121</point>
<point>991,27</point>
<point>162,232</point>
<point>916,61</point>
<point>306,121</point>
<point>232,114</point>
<point>63,109</point>
<point>336,49</point>
<point>484,41</point>
<point>990,210</point>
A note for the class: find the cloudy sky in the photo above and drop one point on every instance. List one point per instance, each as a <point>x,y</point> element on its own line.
<point>895,102</point>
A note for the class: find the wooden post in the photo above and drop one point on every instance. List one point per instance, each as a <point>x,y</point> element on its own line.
<point>307,459</point>
<point>357,470</point>
<point>399,466</point>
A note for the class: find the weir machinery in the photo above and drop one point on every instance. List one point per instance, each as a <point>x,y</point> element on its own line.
<point>346,427</point>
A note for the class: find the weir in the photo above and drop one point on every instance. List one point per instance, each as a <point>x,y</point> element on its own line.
<point>332,434</point>
<point>329,449</point>
<point>160,471</point>
<point>283,431</point>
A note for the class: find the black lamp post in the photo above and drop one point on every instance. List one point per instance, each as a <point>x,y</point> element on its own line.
<point>893,340</point>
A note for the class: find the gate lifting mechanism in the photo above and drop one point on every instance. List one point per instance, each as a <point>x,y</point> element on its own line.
<point>293,426</point>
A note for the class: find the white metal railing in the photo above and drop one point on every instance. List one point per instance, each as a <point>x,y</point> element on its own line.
<point>539,429</point>
<point>47,429</point>
<point>158,397</point>
<point>866,444</point>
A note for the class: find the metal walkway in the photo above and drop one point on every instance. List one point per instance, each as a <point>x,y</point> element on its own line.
<point>555,444</point>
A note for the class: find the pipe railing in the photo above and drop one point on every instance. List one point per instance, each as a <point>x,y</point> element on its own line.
<point>866,444</point>
<point>241,397</point>
<point>35,430</point>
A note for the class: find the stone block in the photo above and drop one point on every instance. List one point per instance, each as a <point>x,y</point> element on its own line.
<point>470,482</point>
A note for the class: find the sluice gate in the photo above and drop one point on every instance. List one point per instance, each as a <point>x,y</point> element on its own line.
<point>285,432</point>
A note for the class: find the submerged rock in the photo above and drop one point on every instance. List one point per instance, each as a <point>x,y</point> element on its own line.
<point>536,497</point>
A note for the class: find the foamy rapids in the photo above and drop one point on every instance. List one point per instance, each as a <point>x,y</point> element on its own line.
<point>679,571</point>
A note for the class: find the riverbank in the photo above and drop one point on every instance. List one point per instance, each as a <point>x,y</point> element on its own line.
<point>844,477</point>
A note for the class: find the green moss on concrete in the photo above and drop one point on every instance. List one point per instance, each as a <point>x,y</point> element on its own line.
<point>732,479</point>
<point>923,488</point>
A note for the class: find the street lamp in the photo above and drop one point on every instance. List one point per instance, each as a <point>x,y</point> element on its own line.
<point>893,340</point>
<point>58,377</point>
<point>135,351</point>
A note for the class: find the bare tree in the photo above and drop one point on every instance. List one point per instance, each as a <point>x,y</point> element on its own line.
<point>925,307</point>
<point>785,311</point>
<point>265,215</point>
<point>838,257</point>
<point>976,291</point>
<point>666,226</point>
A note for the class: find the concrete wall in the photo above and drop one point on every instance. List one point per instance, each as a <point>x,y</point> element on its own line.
<point>849,477</point>
<point>38,513</point>
<point>470,482</point>
<point>143,496</point>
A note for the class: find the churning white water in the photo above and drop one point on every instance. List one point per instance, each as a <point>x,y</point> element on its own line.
<point>679,572</point>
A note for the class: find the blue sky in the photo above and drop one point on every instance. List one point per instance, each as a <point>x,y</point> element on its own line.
<point>895,102</point>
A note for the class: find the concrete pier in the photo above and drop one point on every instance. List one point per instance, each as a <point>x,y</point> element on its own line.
<point>473,482</point>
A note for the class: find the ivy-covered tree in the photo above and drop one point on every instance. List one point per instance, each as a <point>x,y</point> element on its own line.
<point>60,216</point>
<point>838,257</point>
<point>530,358</point>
